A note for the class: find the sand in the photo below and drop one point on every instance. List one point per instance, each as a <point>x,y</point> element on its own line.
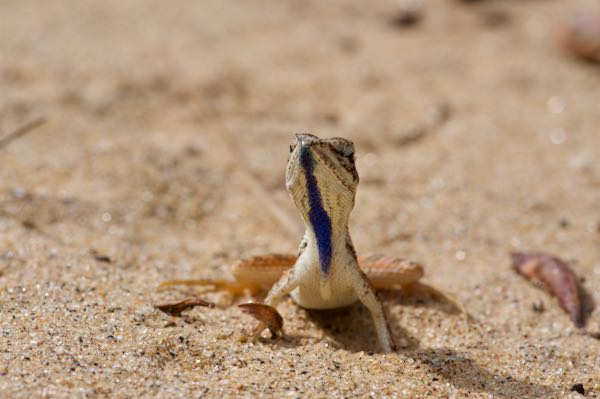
<point>476,135</point>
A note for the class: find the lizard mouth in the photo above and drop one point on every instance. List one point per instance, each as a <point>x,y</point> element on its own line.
<point>300,144</point>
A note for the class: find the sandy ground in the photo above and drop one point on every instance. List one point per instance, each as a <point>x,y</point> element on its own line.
<point>475,136</point>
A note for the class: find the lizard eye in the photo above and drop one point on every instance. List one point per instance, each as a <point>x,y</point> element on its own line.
<point>343,147</point>
<point>348,149</point>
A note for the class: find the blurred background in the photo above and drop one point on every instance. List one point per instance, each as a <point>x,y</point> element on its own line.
<point>149,107</point>
<point>167,127</point>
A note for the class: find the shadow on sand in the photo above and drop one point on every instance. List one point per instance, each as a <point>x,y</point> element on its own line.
<point>353,329</point>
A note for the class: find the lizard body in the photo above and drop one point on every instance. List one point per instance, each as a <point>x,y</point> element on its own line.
<point>322,179</point>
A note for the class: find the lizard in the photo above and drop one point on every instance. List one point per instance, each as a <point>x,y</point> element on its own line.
<point>322,179</point>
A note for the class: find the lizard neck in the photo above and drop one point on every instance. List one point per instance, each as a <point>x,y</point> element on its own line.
<point>321,178</point>
<point>329,251</point>
<point>326,217</point>
<point>335,245</point>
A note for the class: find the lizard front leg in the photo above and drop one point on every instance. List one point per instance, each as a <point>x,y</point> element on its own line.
<point>366,294</point>
<point>285,285</point>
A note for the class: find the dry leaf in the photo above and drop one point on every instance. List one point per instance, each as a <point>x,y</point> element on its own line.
<point>556,276</point>
<point>266,314</point>
<point>175,308</point>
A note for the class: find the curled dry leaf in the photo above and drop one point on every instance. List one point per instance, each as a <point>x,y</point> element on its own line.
<point>265,314</point>
<point>175,308</point>
<point>581,36</point>
<point>556,276</point>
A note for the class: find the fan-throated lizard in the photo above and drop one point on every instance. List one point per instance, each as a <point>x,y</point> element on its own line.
<point>321,177</point>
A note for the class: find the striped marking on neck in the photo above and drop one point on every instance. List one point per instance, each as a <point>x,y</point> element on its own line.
<point>319,219</point>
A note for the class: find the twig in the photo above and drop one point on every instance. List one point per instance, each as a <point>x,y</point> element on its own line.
<point>21,131</point>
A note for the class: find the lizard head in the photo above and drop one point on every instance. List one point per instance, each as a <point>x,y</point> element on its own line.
<point>321,177</point>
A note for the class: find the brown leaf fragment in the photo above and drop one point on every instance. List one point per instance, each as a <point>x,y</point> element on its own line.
<point>580,36</point>
<point>175,308</point>
<point>266,314</point>
<point>556,276</point>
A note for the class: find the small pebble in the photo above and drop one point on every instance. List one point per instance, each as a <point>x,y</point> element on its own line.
<point>564,223</point>
<point>538,307</point>
<point>19,193</point>
<point>556,104</point>
<point>578,388</point>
